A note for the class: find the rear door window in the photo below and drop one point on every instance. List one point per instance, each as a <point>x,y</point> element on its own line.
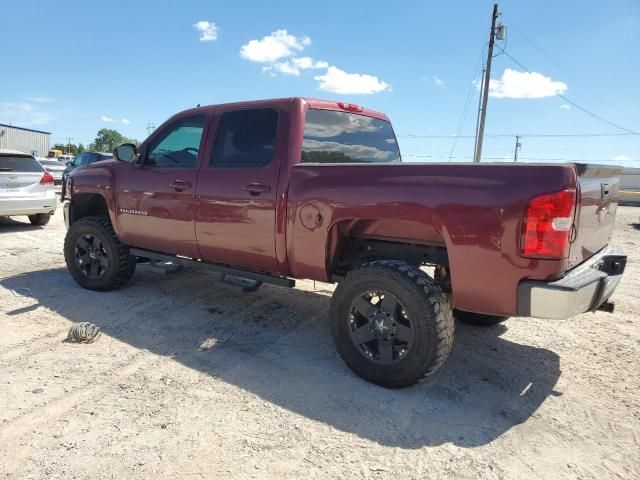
<point>341,137</point>
<point>245,138</point>
<point>16,163</point>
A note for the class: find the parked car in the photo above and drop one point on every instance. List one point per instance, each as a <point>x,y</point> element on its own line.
<point>81,159</point>
<point>301,188</point>
<point>26,188</point>
<point>54,167</point>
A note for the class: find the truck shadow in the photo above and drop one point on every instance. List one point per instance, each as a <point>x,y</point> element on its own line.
<point>9,225</point>
<point>275,343</point>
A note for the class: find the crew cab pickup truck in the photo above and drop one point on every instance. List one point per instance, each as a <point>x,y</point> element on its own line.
<point>275,190</point>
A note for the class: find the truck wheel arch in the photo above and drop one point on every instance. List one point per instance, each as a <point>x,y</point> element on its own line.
<point>87,205</point>
<point>346,249</point>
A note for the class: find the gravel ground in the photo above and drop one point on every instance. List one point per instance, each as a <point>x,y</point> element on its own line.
<point>193,379</point>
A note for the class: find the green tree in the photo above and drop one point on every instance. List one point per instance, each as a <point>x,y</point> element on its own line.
<point>69,148</point>
<point>81,148</point>
<point>107,139</point>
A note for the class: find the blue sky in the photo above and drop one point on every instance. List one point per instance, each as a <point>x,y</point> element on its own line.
<point>75,67</point>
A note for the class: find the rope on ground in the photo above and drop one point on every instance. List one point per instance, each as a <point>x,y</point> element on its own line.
<point>83,332</point>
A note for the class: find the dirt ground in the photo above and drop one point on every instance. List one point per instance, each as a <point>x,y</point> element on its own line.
<point>193,379</point>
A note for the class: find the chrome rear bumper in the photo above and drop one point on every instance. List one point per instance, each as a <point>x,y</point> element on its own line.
<point>584,288</point>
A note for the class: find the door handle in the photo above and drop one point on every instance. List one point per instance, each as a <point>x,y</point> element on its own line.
<point>256,188</point>
<point>179,185</point>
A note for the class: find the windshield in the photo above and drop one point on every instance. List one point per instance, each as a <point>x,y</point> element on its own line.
<point>16,163</point>
<point>340,137</point>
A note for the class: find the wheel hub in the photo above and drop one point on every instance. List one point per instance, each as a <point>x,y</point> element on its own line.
<point>90,256</point>
<point>381,324</point>
<point>379,327</point>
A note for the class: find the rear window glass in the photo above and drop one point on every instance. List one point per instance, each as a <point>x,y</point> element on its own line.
<point>19,164</point>
<point>246,138</point>
<point>341,137</point>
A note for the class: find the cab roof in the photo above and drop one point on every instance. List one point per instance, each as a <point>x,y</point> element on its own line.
<point>8,151</point>
<point>312,102</point>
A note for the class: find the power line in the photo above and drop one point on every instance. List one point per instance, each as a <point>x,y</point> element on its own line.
<point>510,159</point>
<point>467,103</point>
<point>571,102</point>
<point>559,66</point>
<point>528,135</point>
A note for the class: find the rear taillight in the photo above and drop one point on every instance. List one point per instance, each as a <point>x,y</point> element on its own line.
<point>546,227</point>
<point>46,179</point>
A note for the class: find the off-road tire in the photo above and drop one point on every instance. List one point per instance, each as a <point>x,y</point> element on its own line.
<point>121,264</point>
<point>40,219</point>
<point>478,319</point>
<point>426,306</point>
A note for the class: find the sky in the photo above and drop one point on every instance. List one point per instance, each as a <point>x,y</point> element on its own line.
<point>73,67</point>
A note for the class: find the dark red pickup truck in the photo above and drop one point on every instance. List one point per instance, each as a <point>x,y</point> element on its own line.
<point>299,188</point>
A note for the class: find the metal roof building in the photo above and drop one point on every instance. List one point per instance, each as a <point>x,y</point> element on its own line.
<point>25,140</point>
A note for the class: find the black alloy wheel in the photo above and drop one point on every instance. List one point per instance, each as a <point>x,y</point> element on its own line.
<point>379,327</point>
<point>90,256</point>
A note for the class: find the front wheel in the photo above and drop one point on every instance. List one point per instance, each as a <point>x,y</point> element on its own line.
<point>95,257</point>
<point>391,323</point>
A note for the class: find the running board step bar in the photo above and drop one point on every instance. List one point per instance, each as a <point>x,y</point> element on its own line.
<point>253,279</point>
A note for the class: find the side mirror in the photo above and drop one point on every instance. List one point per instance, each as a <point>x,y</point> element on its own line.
<point>125,152</point>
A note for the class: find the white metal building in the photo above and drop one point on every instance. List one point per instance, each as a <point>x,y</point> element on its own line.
<point>25,140</point>
<point>630,186</point>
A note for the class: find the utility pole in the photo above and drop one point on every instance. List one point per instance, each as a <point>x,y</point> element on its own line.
<point>484,94</point>
<point>517,147</point>
<point>150,128</point>
<point>68,145</point>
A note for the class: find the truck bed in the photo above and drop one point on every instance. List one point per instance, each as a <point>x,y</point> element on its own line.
<point>474,210</point>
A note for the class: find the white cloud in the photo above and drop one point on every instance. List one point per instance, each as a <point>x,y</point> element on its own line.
<point>621,158</point>
<point>278,51</point>
<point>514,84</point>
<point>339,81</point>
<point>565,106</point>
<point>438,81</point>
<point>295,65</point>
<point>277,45</point>
<point>208,30</point>
<point>39,99</point>
<point>24,114</point>
<point>107,119</point>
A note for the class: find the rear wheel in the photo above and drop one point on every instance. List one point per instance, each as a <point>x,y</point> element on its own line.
<point>391,323</point>
<point>95,257</point>
<point>478,319</point>
<point>41,219</point>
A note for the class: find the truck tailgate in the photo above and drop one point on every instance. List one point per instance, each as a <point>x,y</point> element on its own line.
<point>598,196</point>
